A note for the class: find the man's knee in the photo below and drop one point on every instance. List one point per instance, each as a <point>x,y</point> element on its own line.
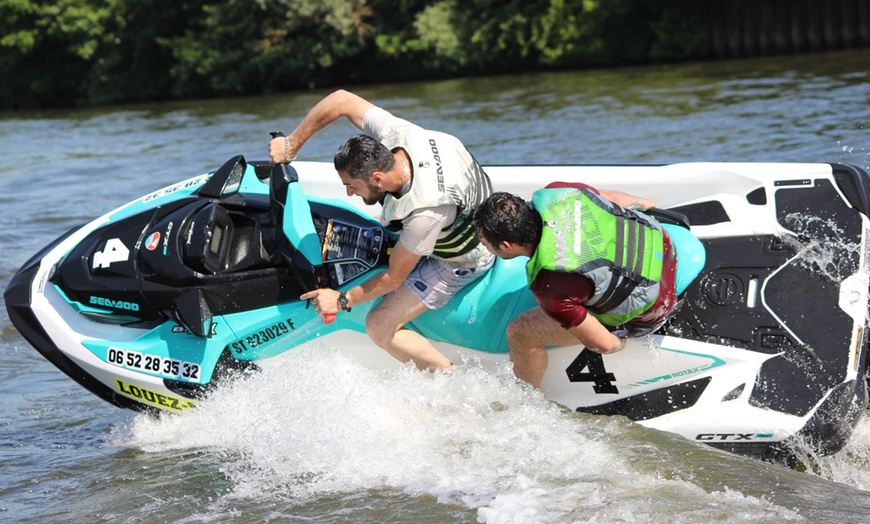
<point>516,334</point>
<point>375,328</point>
<point>523,331</point>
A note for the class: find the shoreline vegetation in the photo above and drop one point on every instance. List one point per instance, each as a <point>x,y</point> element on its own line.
<point>69,53</point>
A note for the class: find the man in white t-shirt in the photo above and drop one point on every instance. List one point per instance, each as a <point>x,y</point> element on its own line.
<point>429,185</point>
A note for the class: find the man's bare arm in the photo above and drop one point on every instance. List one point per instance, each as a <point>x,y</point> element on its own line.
<point>338,104</point>
<point>626,200</point>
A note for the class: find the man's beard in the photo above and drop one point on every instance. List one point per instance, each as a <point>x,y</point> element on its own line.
<point>377,195</point>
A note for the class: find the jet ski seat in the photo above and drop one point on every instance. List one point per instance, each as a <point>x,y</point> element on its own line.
<point>220,241</point>
<point>691,255</point>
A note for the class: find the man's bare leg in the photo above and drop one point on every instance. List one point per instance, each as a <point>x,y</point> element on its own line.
<point>527,335</point>
<point>385,322</point>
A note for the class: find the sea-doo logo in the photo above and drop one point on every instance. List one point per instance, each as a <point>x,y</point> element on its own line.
<point>159,400</point>
<point>114,304</point>
<point>438,169</point>
<point>153,241</point>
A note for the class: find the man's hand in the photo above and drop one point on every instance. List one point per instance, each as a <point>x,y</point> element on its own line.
<point>282,150</point>
<point>596,337</point>
<point>325,301</point>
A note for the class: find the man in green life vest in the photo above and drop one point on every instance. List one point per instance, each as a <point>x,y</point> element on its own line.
<point>599,269</point>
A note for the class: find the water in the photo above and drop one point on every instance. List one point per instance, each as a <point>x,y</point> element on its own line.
<point>316,437</point>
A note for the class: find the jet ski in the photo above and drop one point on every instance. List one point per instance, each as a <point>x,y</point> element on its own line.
<point>152,305</point>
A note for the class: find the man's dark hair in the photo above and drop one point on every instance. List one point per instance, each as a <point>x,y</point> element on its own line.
<point>362,155</point>
<point>504,217</point>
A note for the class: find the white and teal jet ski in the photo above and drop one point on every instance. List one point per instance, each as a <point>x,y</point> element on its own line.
<point>150,305</point>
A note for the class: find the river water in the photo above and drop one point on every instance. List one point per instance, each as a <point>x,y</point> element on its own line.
<point>316,438</point>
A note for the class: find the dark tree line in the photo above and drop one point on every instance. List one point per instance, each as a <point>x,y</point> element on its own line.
<point>56,53</point>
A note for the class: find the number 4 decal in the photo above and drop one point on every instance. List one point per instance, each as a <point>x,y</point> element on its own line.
<point>597,374</point>
<point>113,251</point>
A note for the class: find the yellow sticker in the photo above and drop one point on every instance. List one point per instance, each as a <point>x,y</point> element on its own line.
<point>160,400</point>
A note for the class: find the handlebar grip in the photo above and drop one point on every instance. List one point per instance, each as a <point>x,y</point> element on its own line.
<point>669,217</point>
<point>276,134</point>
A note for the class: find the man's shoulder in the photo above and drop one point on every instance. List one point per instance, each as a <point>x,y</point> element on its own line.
<point>381,124</point>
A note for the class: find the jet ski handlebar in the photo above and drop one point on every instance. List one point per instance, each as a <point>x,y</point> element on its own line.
<point>302,234</point>
<point>668,216</point>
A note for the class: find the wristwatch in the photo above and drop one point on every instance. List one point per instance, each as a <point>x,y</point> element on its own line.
<point>342,301</point>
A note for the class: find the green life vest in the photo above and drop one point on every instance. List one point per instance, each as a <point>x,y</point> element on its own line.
<point>619,249</point>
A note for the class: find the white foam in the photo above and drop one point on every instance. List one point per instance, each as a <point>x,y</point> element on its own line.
<point>316,424</point>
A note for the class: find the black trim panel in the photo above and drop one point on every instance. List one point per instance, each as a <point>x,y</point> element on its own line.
<point>854,182</point>
<point>653,403</point>
<point>704,213</point>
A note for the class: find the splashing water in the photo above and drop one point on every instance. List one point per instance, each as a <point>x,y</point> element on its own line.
<point>851,152</point>
<point>824,247</point>
<point>314,424</point>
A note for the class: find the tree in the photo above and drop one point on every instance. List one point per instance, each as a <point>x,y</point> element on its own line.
<point>48,47</point>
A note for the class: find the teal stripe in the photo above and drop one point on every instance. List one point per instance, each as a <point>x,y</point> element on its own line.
<point>715,362</point>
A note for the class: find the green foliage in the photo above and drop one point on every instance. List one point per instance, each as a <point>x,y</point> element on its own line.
<point>137,64</point>
<point>48,47</point>
<point>430,40</point>
<point>66,52</point>
<point>473,36</point>
<point>257,46</point>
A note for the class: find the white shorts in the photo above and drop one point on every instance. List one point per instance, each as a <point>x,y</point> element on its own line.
<point>435,281</point>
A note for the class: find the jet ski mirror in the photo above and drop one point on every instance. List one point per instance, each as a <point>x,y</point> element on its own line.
<point>191,311</point>
<point>226,179</point>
